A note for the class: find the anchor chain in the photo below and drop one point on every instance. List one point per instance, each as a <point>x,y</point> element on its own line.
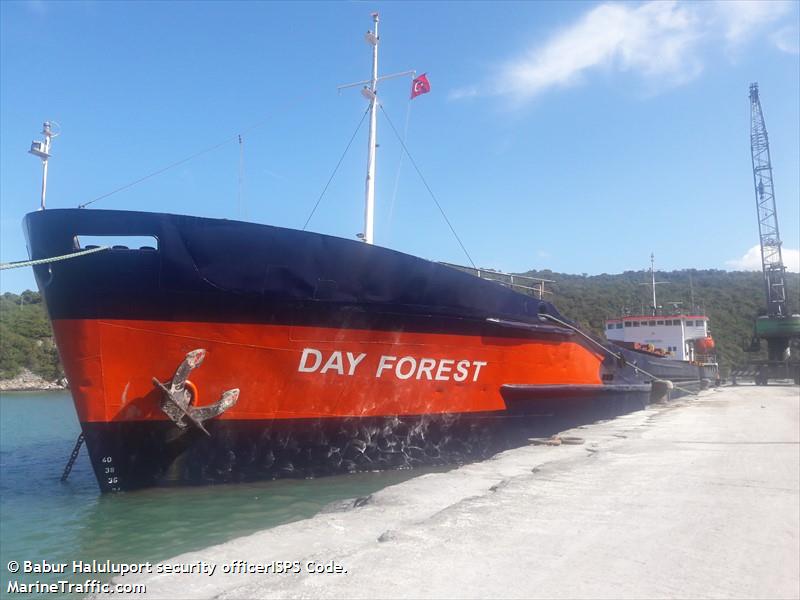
<point>73,457</point>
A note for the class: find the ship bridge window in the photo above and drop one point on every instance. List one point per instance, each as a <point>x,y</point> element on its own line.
<point>690,323</point>
<point>636,323</point>
<point>117,242</point>
<point>651,323</point>
<point>659,322</point>
<point>611,326</point>
<point>627,323</point>
<point>619,325</point>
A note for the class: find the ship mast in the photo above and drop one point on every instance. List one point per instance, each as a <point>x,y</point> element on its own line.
<point>370,92</point>
<point>653,280</point>
<point>42,150</point>
<point>653,283</point>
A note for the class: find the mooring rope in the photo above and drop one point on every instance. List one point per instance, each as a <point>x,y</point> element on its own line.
<point>42,261</point>
<point>619,357</point>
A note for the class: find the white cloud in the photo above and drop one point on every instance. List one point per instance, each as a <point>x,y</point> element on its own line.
<point>653,38</point>
<point>751,261</point>
<point>742,20</point>
<point>659,41</point>
<point>787,40</point>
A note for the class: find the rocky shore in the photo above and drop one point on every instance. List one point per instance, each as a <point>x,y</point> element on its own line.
<point>30,382</point>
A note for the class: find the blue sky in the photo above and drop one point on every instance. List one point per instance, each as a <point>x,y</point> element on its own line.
<point>573,136</point>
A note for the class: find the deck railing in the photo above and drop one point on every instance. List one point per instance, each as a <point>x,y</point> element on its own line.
<point>534,286</point>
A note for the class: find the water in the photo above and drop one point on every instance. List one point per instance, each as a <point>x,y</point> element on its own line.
<point>43,519</point>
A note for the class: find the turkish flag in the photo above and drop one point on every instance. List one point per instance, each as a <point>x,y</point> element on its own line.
<point>420,85</point>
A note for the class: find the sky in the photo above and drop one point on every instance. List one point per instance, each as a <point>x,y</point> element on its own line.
<point>572,136</point>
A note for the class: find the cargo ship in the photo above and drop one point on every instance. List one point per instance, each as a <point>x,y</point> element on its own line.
<point>677,344</point>
<point>225,351</point>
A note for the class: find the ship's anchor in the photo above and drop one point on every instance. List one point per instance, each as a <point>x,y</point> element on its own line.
<point>176,400</point>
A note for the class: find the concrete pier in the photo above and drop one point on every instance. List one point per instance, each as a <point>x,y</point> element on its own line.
<point>699,497</point>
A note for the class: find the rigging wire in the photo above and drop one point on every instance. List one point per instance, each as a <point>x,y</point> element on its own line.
<point>242,211</point>
<point>430,191</point>
<point>173,165</point>
<point>399,167</point>
<point>338,164</point>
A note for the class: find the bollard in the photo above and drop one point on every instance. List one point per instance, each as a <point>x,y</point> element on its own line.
<point>660,390</point>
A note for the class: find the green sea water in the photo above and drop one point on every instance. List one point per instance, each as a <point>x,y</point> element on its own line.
<point>44,519</point>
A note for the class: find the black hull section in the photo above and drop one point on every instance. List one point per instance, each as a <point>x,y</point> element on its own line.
<point>132,455</point>
<point>221,271</point>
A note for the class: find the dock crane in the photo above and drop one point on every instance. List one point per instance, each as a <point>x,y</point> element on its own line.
<point>779,327</point>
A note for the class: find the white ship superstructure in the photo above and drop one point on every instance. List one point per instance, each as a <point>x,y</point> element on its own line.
<point>675,335</point>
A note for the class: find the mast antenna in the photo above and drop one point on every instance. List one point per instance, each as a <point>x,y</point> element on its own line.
<point>41,148</point>
<point>370,92</point>
<point>653,283</point>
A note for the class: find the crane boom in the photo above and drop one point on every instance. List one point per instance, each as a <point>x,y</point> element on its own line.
<point>771,258</point>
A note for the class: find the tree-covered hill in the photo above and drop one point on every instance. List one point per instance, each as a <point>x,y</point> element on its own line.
<point>26,339</point>
<point>730,299</point>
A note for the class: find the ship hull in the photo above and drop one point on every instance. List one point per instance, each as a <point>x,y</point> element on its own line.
<point>345,356</point>
<point>687,374</point>
<point>137,454</point>
<point>317,401</point>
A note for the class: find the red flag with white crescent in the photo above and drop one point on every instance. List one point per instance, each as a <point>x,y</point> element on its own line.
<point>420,85</point>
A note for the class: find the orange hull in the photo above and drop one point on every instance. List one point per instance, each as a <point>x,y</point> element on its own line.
<point>110,365</point>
